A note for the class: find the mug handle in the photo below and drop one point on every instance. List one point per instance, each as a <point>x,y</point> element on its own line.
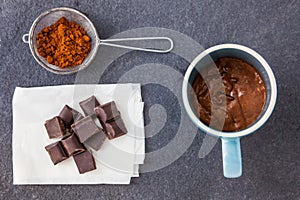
<point>232,160</point>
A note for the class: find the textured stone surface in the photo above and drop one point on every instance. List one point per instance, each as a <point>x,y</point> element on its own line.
<point>271,164</point>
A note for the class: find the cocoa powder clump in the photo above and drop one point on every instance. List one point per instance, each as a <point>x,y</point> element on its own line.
<point>64,44</point>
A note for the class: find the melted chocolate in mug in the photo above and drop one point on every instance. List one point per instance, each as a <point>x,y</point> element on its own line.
<point>245,93</point>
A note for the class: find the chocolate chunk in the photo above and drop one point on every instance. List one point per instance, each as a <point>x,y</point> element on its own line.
<point>96,141</point>
<point>78,117</point>
<point>85,128</point>
<point>107,112</point>
<point>55,127</point>
<point>72,145</point>
<point>84,161</point>
<point>110,119</point>
<point>100,113</point>
<point>114,128</point>
<point>69,115</point>
<point>88,105</point>
<point>56,152</point>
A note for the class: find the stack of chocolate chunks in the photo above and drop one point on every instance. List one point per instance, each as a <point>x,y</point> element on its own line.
<point>77,131</point>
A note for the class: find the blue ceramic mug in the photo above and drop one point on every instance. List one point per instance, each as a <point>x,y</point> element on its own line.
<point>231,150</point>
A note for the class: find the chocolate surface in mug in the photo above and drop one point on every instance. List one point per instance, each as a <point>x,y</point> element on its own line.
<point>243,90</point>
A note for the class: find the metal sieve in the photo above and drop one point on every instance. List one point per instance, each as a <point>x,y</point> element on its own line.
<point>51,16</point>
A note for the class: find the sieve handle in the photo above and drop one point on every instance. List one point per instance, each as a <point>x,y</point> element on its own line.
<point>110,42</point>
<point>24,38</point>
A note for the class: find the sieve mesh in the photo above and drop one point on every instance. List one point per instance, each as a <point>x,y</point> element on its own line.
<point>50,17</point>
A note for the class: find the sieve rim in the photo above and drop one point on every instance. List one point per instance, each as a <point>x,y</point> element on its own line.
<point>74,69</point>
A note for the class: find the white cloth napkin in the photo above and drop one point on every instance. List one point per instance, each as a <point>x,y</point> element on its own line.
<point>118,159</point>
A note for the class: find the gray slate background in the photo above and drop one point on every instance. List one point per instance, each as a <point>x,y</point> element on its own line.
<point>271,156</point>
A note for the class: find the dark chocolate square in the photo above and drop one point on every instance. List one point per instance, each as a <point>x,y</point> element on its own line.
<point>72,145</point>
<point>85,128</point>
<point>114,128</point>
<point>55,127</point>
<point>88,105</point>
<point>56,152</point>
<point>78,117</point>
<point>84,161</point>
<point>69,115</point>
<point>96,141</point>
<point>107,112</point>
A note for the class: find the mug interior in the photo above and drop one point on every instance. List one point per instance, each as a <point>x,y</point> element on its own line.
<point>243,53</point>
